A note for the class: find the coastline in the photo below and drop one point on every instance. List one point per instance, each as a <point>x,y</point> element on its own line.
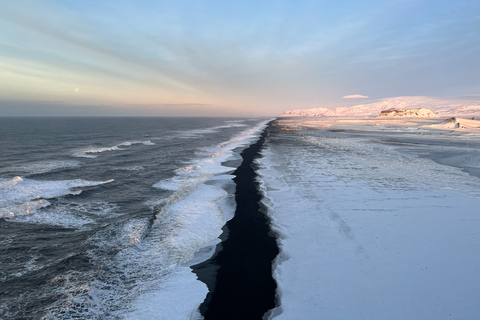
<point>239,274</point>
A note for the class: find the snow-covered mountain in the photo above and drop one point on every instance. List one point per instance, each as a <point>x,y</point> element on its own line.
<point>441,107</point>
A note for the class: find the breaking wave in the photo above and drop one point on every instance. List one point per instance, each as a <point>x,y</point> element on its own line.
<point>90,153</point>
<point>21,196</point>
<point>49,166</point>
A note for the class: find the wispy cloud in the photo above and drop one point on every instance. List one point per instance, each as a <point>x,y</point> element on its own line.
<point>355,96</point>
<point>265,55</point>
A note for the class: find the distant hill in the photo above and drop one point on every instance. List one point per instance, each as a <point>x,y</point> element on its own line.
<point>441,107</point>
<point>417,112</point>
<point>457,123</point>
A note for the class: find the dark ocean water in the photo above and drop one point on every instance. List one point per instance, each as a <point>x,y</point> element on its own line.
<point>89,213</point>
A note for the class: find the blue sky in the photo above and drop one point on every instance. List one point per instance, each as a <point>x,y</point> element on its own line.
<point>231,57</point>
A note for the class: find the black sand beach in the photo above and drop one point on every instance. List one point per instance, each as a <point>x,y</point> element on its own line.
<point>239,275</point>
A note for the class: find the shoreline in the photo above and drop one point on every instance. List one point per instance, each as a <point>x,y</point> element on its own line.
<point>239,274</point>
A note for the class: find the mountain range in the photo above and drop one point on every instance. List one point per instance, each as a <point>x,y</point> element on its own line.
<point>441,107</point>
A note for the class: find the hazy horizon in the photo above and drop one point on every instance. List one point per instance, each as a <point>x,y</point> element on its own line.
<point>215,58</point>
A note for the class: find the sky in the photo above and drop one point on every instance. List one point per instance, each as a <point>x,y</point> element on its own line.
<point>231,58</point>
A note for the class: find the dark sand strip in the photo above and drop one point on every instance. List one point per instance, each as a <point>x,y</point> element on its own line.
<point>239,275</point>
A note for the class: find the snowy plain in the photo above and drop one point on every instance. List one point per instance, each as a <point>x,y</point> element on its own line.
<point>376,219</point>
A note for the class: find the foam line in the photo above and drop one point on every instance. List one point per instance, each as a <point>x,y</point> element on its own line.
<point>90,153</point>
<point>22,196</point>
<point>243,287</point>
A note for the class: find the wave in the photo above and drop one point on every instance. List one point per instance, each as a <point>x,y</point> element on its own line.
<point>21,196</point>
<point>187,227</point>
<point>134,168</point>
<point>70,215</point>
<point>49,166</point>
<point>200,170</point>
<point>153,257</point>
<point>195,133</point>
<point>89,153</point>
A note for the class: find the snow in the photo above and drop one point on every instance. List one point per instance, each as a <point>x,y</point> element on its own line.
<point>458,123</point>
<point>419,112</point>
<point>305,113</point>
<point>379,222</point>
<point>443,108</point>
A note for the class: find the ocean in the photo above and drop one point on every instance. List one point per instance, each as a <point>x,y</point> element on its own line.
<point>100,218</point>
<point>219,218</point>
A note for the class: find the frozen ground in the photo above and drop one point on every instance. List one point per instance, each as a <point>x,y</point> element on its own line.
<point>377,219</point>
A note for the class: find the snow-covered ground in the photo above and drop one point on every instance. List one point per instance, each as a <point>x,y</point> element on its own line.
<point>442,107</point>
<point>377,219</point>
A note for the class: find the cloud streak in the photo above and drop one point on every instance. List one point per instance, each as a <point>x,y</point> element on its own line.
<point>262,57</point>
<point>354,96</point>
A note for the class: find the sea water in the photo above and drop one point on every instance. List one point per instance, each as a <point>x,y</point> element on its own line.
<point>102,217</point>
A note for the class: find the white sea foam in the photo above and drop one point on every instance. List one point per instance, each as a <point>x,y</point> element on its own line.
<point>202,132</point>
<point>153,262</point>
<point>170,185</point>
<point>89,153</point>
<point>181,230</point>
<point>134,168</point>
<point>29,266</point>
<point>83,155</point>
<point>186,231</point>
<point>48,166</point>
<point>164,304</point>
<point>129,143</point>
<point>235,121</point>
<point>71,215</point>
<point>21,196</point>
<point>204,168</point>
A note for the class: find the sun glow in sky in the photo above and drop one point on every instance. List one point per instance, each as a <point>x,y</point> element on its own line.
<point>242,58</point>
